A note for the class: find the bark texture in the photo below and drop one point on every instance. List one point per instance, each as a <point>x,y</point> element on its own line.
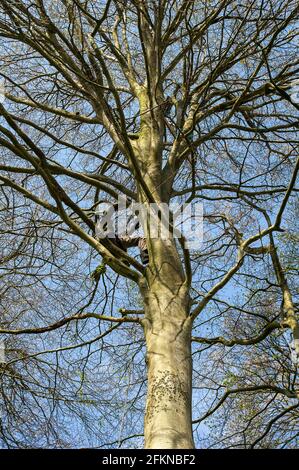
<point>167,326</point>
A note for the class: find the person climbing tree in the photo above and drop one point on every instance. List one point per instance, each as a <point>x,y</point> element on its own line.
<point>122,227</point>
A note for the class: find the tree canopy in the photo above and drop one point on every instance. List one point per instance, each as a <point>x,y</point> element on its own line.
<point>159,101</point>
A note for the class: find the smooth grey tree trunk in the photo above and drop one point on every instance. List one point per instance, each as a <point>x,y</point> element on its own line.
<point>167,327</point>
<point>168,407</point>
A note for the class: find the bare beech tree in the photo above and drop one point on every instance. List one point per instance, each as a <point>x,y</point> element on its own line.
<point>158,101</point>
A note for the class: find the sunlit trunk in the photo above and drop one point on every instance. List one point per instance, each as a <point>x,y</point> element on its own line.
<point>169,365</point>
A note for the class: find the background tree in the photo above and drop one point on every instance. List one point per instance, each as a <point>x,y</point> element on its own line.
<point>157,101</point>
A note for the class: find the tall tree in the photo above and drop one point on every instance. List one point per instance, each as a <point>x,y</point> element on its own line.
<point>157,101</point>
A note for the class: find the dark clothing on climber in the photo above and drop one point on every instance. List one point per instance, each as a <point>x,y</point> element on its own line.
<point>129,238</point>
